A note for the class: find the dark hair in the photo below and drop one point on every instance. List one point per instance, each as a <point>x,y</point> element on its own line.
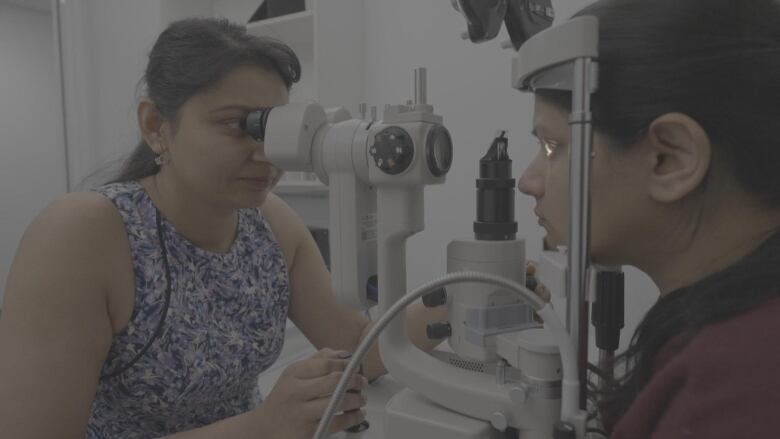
<point>192,55</point>
<point>677,317</point>
<point>717,62</point>
<point>713,60</point>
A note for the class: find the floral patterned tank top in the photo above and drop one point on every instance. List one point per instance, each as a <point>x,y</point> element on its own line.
<point>201,330</point>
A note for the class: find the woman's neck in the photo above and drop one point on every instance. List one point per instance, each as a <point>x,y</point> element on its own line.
<point>205,225</point>
<point>714,246</point>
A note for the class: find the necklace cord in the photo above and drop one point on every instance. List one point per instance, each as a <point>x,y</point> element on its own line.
<point>166,305</point>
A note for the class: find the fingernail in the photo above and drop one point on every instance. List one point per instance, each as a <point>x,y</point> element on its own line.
<point>544,293</point>
<point>344,355</point>
<point>363,426</point>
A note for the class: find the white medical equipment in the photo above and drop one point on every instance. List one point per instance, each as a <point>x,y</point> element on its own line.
<point>506,377</point>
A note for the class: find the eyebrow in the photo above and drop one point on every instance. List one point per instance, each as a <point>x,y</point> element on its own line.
<point>535,131</point>
<point>235,107</point>
<point>541,128</point>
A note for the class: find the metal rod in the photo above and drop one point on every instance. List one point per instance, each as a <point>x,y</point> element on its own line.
<point>58,48</point>
<point>607,368</point>
<point>420,86</point>
<point>501,372</point>
<point>579,214</point>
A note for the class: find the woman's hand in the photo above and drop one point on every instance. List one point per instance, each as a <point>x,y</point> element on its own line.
<point>301,395</point>
<point>533,284</point>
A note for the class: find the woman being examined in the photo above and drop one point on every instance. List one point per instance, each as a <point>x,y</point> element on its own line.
<point>686,187</point>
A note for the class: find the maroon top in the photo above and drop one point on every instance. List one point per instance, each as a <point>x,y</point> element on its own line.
<point>723,383</point>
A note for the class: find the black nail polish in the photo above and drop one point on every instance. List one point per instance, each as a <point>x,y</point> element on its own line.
<point>363,426</point>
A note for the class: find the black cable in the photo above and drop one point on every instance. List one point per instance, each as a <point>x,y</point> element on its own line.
<point>166,305</point>
<point>597,371</point>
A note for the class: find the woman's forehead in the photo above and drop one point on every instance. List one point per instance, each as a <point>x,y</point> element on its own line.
<point>550,119</point>
<point>245,86</point>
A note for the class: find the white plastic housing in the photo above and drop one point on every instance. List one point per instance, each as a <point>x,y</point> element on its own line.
<point>551,51</point>
<point>339,158</point>
<point>418,173</point>
<point>290,130</point>
<point>533,351</point>
<point>551,271</point>
<point>502,258</point>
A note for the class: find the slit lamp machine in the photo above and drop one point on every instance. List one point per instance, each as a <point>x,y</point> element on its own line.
<point>508,376</point>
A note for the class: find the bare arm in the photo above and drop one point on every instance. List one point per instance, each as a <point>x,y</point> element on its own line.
<point>56,328</point>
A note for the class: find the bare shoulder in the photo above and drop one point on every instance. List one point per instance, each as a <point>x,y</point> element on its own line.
<point>286,225</point>
<point>78,215</point>
<point>74,251</point>
<point>83,208</point>
<point>83,229</point>
<point>56,315</point>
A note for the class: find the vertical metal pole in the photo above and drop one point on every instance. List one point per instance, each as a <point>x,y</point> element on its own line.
<point>58,51</point>
<point>579,225</point>
<point>420,86</point>
<point>607,366</point>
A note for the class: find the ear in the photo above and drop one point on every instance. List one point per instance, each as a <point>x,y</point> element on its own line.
<point>152,125</point>
<point>680,154</point>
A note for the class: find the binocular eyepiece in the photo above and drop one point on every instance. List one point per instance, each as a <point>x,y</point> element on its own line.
<point>255,123</point>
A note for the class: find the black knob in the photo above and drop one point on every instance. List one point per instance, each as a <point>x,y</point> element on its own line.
<point>438,331</point>
<point>608,311</point>
<point>436,298</point>
<point>393,150</point>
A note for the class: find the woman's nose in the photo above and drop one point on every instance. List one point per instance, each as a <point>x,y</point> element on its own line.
<point>532,181</point>
<point>258,152</point>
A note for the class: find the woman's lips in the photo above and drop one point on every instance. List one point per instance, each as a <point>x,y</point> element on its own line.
<point>259,183</point>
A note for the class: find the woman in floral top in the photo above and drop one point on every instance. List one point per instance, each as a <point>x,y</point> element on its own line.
<point>147,307</point>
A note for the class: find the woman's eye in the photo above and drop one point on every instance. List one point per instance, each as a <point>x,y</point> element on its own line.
<point>233,123</point>
<point>233,127</point>
<point>548,146</point>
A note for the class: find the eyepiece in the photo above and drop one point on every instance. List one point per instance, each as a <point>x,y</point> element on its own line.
<point>255,123</point>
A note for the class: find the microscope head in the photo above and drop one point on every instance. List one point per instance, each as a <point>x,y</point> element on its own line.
<point>523,18</point>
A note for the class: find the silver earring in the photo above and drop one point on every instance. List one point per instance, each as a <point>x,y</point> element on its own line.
<point>160,159</point>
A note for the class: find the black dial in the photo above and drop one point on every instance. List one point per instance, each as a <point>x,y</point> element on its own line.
<point>393,150</point>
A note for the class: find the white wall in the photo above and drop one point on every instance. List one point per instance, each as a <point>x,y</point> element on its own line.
<point>469,85</point>
<point>105,45</point>
<point>126,32</point>
<point>32,148</point>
